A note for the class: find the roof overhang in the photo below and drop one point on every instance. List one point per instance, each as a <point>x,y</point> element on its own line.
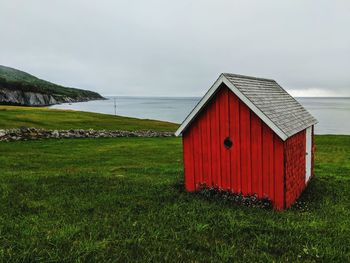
<point>211,92</point>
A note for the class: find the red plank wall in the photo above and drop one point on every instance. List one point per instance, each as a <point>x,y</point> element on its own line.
<point>312,151</point>
<point>255,162</point>
<point>295,148</point>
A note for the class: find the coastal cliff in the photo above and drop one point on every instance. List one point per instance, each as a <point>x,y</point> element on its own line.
<point>30,98</point>
<point>20,88</point>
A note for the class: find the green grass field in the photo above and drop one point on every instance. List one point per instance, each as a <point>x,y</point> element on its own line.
<point>118,200</point>
<point>15,117</point>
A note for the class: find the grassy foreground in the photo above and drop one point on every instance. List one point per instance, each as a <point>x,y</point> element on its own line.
<point>15,117</point>
<point>116,200</point>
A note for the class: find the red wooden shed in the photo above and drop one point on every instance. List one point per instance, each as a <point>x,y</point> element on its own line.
<point>248,135</point>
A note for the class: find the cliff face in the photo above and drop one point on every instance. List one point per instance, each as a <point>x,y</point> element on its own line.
<point>30,98</point>
<point>20,88</point>
<point>17,97</point>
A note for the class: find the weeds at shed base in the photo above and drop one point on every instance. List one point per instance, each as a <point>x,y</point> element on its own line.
<point>216,193</point>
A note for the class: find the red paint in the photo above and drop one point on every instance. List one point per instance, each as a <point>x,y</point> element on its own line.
<point>197,156</point>
<point>236,148</point>
<point>312,151</point>
<point>256,154</point>
<point>205,149</point>
<point>278,172</point>
<point>295,148</point>
<point>267,155</point>
<point>224,133</point>
<point>259,162</point>
<point>188,160</point>
<point>244,116</point>
<point>215,154</point>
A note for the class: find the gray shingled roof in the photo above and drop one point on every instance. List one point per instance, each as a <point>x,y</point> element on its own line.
<point>273,101</point>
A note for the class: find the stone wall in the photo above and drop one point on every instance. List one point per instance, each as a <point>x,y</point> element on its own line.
<point>34,134</point>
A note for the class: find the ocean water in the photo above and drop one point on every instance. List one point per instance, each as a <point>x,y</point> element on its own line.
<point>333,114</point>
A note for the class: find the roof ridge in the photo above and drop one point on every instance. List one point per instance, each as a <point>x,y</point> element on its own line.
<point>300,105</point>
<point>279,110</point>
<point>246,77</point>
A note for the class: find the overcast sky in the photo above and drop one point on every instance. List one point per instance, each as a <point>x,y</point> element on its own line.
<point>178,48</point>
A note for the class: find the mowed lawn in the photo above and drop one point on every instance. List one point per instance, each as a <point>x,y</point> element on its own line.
<point>16,117</point>
<point>119,200</point>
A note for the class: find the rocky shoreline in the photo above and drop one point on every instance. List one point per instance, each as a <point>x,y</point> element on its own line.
<point>22,134</point>
<point>30,98</point>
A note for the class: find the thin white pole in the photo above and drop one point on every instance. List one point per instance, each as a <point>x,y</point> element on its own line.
<point>115,107</point>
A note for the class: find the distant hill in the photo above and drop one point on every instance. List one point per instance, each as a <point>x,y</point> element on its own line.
<point>20,88</point>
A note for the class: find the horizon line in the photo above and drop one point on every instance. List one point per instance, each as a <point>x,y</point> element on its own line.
<point>163,96</point>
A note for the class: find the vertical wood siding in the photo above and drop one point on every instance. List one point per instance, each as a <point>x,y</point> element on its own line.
<point>253,165</point>
<point>312,151</point>
<point>244,116</point>
<point>235,152</point>
<point>224,132</point>
<point>188,160</point>
<point>279,173</point>
<point>215,153</point>
<point>205,149</point>
<point>295,149</point>
<point>256,155</point>
<point>267,146</point>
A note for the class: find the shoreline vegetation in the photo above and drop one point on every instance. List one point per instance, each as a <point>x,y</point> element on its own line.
<point>118,199</point>
<point>20,88</point>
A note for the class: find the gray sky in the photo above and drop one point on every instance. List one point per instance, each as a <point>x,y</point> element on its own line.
<point>178,48</point>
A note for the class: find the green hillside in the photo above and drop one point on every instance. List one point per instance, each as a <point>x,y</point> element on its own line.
<point>14,79</point>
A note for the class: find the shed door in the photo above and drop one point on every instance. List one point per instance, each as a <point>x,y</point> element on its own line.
<point>308,154</point>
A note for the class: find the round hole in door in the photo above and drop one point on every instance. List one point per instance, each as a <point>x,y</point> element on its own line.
<point>228,143</point>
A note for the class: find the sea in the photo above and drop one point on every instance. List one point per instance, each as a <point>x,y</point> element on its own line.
<point>333,114</point>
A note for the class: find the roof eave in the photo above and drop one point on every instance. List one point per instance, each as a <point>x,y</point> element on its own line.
<point>255,109</point>
<point>201,104</point>
<point>206,98</point>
